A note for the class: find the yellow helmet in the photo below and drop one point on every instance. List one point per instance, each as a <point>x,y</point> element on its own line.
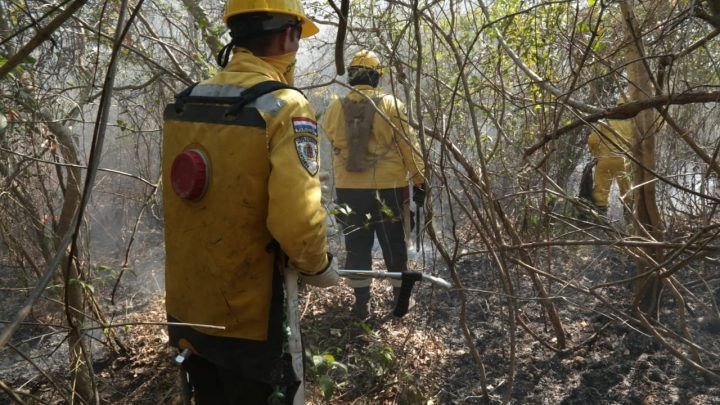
<point>366,59</point>
<point>290,7</point>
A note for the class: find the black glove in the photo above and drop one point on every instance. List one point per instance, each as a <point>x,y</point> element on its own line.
<point>419,195</point>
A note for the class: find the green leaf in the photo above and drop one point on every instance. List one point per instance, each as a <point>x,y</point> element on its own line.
<point>88,287</point>
<point>343,367</point>
<point>366,328</point>
<point>386,211</point>
<point>122,125</point>
<point>318,361</point>
<point>389,355</point>
<point>327,385</point>
<point>342,209</point>
<point>84,285</point>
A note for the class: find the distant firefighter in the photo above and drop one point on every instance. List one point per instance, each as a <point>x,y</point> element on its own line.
<point>373,165</point>
<point>609,144</point>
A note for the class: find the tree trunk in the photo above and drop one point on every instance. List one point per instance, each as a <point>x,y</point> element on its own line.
<point>646,125</point>
<point>81,373</point>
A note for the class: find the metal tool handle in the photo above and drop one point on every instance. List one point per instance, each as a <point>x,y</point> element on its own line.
<point>394,275</point>
<point>294,342</point>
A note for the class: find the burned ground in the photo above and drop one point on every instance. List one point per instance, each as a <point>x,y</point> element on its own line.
<point>422,358</point>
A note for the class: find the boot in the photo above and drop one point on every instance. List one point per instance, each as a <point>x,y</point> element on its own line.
<point>362,299</point>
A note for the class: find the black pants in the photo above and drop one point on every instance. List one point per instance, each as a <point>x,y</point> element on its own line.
<point>371,213</point>
<point>214,385</point>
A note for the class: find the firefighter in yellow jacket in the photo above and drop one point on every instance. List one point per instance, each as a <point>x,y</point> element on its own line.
<point>242,201</point>
<point>609,144</point>
<point>373,163</point>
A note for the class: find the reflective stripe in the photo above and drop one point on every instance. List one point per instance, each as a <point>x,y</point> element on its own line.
<point>266,103</point>
<point>214,114</point>
<point>216,90</point>
<point>269,104</point>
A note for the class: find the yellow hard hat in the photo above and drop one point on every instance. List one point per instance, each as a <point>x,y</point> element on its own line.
<point>366,59</point>
<point>290,7</point>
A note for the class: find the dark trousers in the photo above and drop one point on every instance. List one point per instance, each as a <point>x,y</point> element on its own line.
<point>371,213</point>
<point>214,385</point>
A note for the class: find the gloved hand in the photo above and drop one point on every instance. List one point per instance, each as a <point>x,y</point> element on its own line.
<point>327,277</point>
<point>419,195</point>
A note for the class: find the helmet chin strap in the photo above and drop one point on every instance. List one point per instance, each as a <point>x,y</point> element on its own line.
<point>223,56</point>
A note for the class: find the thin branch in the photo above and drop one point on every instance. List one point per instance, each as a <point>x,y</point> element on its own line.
<point>626,111</point>
<point>41,36</point>
<point>11,393</point>
<point>52,381</point>
<point>100,169</point>
<point>24,311</point>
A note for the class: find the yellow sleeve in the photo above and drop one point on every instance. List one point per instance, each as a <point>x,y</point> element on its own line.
<point>296,217</point>
<point>594,143</point>
<point>406,140</point>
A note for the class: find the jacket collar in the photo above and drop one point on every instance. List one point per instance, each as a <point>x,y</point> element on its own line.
<point>244,61</point>
<point>367,90</point>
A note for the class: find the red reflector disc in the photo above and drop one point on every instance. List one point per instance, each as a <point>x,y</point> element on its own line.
<point>189,175</point>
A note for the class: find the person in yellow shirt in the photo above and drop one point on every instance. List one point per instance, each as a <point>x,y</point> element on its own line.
<point>609,143</point>
<point>374,158</point>
<point>241,202</point>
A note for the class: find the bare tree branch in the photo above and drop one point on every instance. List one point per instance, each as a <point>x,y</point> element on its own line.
<point>41,36</point>
<point>626,111</point>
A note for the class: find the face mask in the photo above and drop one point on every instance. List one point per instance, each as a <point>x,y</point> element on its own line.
<point>285,64</point>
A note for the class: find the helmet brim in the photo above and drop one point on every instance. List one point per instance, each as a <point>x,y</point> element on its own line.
<point>309,28</point>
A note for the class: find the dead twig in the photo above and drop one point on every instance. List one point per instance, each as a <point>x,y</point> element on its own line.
<point>699,367</point>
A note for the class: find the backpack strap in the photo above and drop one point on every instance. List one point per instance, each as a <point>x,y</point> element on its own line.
<point>182,96</point>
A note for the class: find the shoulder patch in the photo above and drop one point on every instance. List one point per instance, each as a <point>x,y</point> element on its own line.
<point>307,150</point>
<point>306,125</point>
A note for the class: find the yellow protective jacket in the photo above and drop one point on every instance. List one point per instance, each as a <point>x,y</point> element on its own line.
<point>264,191</point>
<point>394,152</point>
<point>608,144</point>
<point>611,139</point>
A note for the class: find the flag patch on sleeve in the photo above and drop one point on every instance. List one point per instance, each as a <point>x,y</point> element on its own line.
<point>306,125</point>
<point>307,150</point>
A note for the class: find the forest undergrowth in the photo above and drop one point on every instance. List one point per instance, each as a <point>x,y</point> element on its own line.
<point>422,358</point>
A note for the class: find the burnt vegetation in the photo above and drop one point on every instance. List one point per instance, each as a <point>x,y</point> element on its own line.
<point>551,301</point>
